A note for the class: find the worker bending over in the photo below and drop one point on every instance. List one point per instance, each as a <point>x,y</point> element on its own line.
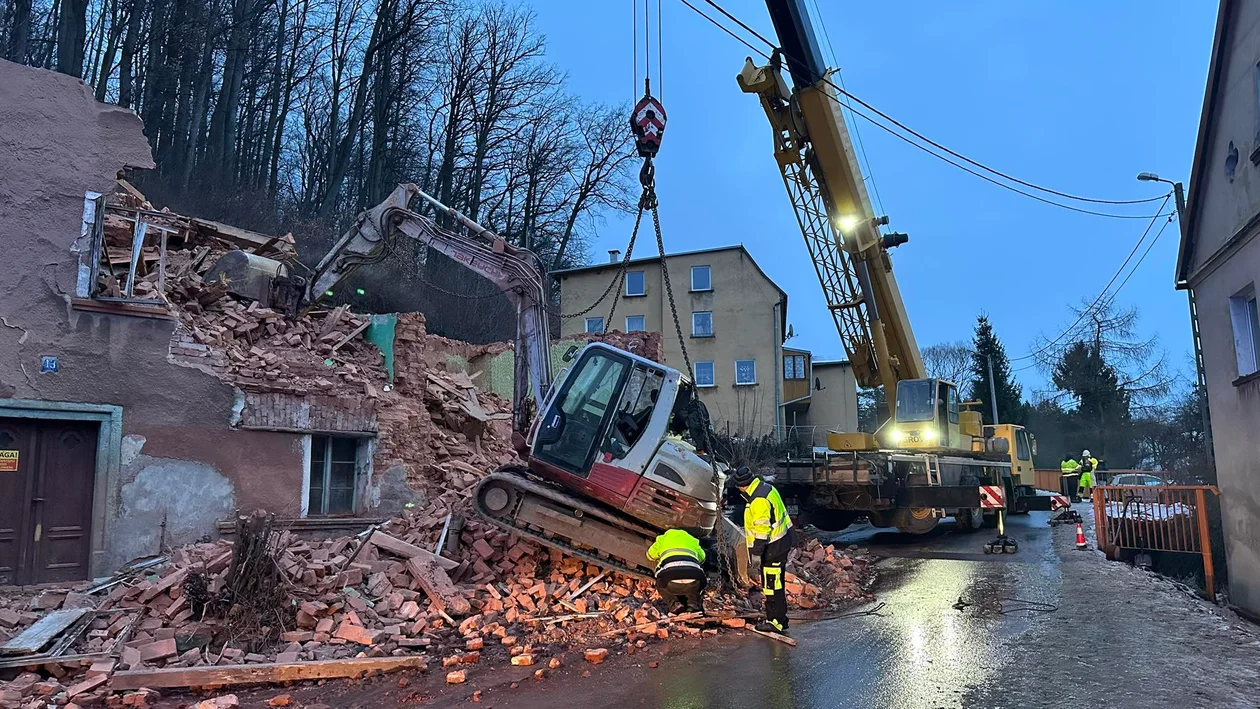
<point>680,578</point>
<point>769,534</point>
<point>1069,477</point>
<point>1088,465</point>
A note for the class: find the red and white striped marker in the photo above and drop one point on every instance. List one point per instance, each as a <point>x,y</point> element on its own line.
<point>992,497</point>
<point>1080,536</point>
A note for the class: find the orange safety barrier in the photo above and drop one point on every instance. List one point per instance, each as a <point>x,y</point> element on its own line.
<point>1172,518</point>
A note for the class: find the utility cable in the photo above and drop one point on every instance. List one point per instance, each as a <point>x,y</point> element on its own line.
<point>1091,308</point>
<point>841,91</point>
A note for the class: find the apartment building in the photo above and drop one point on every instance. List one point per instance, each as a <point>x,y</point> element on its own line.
<point>734,323</point>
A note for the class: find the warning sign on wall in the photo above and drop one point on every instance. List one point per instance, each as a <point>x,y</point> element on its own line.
<point>8,461</point>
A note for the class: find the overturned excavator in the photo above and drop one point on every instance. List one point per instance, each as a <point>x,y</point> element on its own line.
<point>606,464</point>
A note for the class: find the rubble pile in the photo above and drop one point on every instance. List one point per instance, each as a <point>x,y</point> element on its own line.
<point>503,600</point>
<point>823,577</point>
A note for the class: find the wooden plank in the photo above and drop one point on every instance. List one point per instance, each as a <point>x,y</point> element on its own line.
<point>394,545</point>
<point>265,673</point>
<point>351,336</point>
<point>773,636</point>
<point>243,238</point>
<point>34,638</point>
<point>438,585</point>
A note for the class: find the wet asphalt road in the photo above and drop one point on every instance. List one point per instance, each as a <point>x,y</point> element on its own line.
<point>919,651</point>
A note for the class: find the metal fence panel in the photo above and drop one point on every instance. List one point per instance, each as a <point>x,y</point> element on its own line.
<point>1169,518</point>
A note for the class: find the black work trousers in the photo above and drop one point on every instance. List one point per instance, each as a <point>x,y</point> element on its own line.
<point>683,584</point>
<point>773,560</point>
<point>1067,486</point>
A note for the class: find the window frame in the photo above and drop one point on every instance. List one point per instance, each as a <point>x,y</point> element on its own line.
<point>325,486</point>
<point>695,373</point>
<point>694,313</point>
<point>597,330</point>
<point>643,318</point>
<point>709,270</point>
<point>643,282</point>
<point>1244,316</point>
<point>751,361</point>
<point>789,362</point>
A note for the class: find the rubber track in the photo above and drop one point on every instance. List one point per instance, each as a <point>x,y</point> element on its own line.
<point>549,492</point>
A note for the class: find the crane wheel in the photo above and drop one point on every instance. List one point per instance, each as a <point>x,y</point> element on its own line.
<point>914,520</point>
<point>969,520</point>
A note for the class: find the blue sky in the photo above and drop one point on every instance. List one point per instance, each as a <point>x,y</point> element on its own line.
<point>1077,96</point>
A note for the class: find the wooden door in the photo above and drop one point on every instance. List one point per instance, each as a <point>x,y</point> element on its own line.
<point>17,445</point>
<point>49,500</point>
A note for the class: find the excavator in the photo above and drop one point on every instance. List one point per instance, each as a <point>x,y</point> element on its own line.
<point>607,465</point>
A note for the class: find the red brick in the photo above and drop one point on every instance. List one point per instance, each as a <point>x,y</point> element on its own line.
<point>159,650</point>
<point>596,655</point>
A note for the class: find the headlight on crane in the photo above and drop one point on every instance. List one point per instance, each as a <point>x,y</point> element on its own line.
<point>898,436</point>
<point>847,222</point>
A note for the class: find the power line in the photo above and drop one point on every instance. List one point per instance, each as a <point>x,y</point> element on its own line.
<point>1091,307</point>
<point>920,136</point>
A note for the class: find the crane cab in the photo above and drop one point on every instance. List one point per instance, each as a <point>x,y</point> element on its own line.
<point>927,415</point>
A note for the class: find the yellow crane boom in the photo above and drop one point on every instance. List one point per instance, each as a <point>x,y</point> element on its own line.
<point>829,197</point>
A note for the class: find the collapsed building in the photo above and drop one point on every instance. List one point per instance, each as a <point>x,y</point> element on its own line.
<point>141,405</point>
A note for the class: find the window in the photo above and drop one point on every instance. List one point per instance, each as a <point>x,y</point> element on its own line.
<point>635,284</point>
<point>576,420</point>
<point>634,323</point>
<point>1246,321</point>
<point>952,404</point>
<point>595,325</point>
<point>745,371</point>
<point>705,375</point>
<point>634,411</point>
<point>794,367</point>
<point>701,278</point>
<point>702,324</point>
<point>334,466</point>
<point>1023,451</point>
<point>916,401</point>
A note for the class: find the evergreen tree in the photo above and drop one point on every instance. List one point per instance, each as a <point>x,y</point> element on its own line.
<point>987,347</point>
<point>1102,421</point>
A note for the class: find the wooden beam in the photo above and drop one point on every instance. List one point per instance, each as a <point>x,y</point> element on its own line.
<point>773,636</point>
<point>394,545</point>
<point>438,586</point>
<point>265,673</point>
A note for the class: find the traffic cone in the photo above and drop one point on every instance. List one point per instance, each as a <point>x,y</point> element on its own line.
<point>1080,537</point>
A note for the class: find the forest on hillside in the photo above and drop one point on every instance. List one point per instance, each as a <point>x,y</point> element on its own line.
<point>295,115</point>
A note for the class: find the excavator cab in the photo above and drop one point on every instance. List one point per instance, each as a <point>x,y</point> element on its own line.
<point>926,416</point>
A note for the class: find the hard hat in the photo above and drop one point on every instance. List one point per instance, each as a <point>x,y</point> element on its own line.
<point>742,477</point>
<point>1085,453</point>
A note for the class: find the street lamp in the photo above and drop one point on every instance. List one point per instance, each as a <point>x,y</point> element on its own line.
<point>1179,195</point>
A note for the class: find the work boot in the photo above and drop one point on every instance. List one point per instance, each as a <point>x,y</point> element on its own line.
<point>771,626</point>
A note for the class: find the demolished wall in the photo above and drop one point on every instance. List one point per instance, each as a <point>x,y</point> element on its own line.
<point>79,146</point>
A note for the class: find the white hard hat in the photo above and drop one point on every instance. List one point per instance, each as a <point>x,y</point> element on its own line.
<point>1085,453</point>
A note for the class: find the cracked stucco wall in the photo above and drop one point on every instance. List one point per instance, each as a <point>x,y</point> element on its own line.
<point>184,462</point>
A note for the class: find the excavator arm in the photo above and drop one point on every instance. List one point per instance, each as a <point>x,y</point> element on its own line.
<point>517,272</point>
<point>825,184</point>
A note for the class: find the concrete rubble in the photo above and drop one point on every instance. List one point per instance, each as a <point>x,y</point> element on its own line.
<point>433,582</point>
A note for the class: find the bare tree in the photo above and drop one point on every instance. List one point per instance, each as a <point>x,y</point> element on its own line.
<point>950,361</point>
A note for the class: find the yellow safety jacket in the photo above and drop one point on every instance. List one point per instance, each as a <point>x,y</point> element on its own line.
<point>1069,467</point>
<point>766,520</point>
<point>675,545</point>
